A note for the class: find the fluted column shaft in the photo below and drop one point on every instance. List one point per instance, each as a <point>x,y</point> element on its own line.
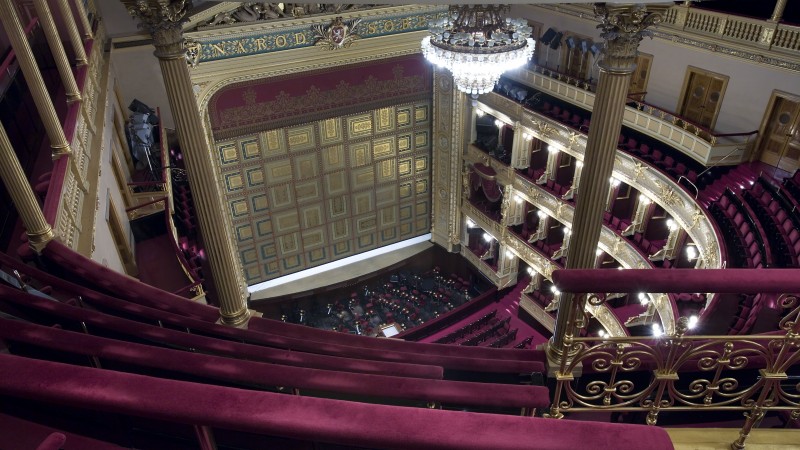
<point>57,48</point>
<point>777,13</point>
<point>199,159</point>
<point>72,32</point>
<point>622,27</point>
<point>83,14</point>
<point>41,98</point>
<point>38,230</point>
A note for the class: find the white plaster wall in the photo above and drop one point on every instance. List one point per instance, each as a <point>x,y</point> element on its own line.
<point>105,250</point>
<point>749,88</point>
<point>139,77</point>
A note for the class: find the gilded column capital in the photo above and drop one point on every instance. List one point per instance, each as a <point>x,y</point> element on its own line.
<point>163,20</point>
<point>623,26</point>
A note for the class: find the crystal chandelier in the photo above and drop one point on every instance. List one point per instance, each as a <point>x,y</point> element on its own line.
<point>477,45</point>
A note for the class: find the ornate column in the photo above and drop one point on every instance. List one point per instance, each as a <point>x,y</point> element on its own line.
<point>672,246</point>
<point>38,230</point>
<point>622,26</point>
<point>507,266</point>
<point>450,108</point>
<point>564,249</point>
<point>552,165</point>
<point>83,13</point>
<point>535,283</point>
<point>19,42</point>
<point>521,148</point>
<point>644,210</point>
<point>57,48</point>
<point>511,208</point>
<point>541,227</point>
<point>163,21</point>
<point>612,193</point>
<point>72,32</point>
<point>576,179</point>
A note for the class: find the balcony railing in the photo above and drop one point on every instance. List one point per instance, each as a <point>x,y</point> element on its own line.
<point>753,39</point>
<point>737,29</point>
<point>701,144</point>
<point>680,371</point>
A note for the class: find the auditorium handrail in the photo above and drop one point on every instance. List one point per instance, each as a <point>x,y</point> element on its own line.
<point>561,76</point>
<point>704,132</point>
<point>678,371</point>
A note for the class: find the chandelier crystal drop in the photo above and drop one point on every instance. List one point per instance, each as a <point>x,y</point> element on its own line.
<point>477,45</point>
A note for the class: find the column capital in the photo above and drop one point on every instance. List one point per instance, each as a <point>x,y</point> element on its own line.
<point>163,20</point>
<point>623,26</point>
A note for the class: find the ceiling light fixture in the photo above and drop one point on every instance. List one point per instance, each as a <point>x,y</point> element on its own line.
<point>477,45</point>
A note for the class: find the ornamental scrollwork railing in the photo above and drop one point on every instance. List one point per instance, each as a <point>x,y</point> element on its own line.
<point>682,372</point>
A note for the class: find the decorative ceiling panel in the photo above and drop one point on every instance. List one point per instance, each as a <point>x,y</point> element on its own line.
<point>312,193</point>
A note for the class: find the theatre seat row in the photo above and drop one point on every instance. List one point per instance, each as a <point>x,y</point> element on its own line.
<point>781,228</point>
<point>157,305</point>
<point>300,422</point>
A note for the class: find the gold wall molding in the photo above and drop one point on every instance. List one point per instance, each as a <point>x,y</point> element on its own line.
<point>211,76</point>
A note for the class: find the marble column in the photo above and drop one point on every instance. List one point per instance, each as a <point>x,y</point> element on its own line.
<point>41,98</point>
<point>163,21</point>
<point>72,32</point>
<point>19,189</point>
<point>83,14</point>
<point>622,27</point>
<point>57,48</point>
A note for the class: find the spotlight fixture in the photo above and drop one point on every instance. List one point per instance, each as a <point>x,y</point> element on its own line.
<point>477,45</point>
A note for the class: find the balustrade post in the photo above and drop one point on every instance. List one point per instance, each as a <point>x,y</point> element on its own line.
<point>622,27</point>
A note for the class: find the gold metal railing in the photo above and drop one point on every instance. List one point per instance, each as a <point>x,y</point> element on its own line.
<point>681,372</point>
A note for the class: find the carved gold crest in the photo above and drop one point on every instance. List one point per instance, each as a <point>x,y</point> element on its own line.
<point>339,34</point>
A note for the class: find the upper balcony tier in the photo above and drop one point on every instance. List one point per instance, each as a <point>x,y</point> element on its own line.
<point>701,144</point>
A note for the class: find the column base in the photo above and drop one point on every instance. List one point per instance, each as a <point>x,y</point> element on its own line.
<point>553,362</point>
<point>241,321</point>
<point>39,240</point>
<point>57,151</point>
<point>72,98</point>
